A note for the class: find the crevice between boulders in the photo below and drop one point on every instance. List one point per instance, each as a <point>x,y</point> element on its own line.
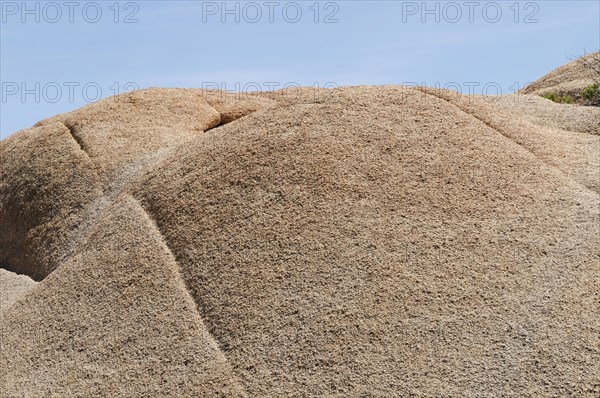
<point>73,131</point>
<point>184,284</point>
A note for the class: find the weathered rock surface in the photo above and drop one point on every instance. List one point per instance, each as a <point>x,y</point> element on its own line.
<point>365,241</point>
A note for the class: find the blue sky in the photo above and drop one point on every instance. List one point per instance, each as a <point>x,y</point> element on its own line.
<point>57,57</point>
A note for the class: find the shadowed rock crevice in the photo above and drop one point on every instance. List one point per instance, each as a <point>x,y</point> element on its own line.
<point>226,119</point>
<point>232,106</point>
<point>73,131</point>
<point>47,182</point>
<point>127,317</point>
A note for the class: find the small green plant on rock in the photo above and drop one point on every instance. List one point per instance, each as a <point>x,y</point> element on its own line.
<point>591,94</point>
<point>561,99</point>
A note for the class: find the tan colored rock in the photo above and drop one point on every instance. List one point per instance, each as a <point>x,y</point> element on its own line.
<point>46,181</point>
<point>363,241</point>
<point>386,244</point>
<point>114,320</point>
<point>570,79</point>
<point>12,288</point>
<point>545,113</point>
<point>572,152</point>
<point>117,131</point>
<point>233,106</point>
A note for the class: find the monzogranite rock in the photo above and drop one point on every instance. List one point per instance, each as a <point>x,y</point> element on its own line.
<point>365,241</point>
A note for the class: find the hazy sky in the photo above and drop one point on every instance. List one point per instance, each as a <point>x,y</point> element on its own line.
<point>57,56</point>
